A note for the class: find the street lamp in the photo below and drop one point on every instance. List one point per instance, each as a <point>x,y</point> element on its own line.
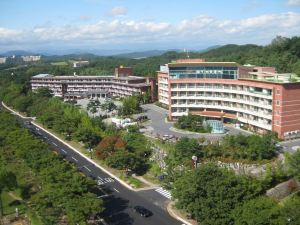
<point>194,158</point>
<point>90,150</point>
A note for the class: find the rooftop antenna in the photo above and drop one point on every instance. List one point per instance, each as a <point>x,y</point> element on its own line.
<point>187,53</point>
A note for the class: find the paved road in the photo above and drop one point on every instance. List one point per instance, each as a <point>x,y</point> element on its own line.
<point>158,125</point>
<point>290,146</point>
<point>118,199</point>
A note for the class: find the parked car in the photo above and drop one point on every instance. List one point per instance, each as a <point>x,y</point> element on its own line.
<point>142,211</point>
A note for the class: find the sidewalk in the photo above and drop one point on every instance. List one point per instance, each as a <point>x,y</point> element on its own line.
<point>177,214</point>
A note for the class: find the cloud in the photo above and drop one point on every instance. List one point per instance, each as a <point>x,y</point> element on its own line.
<point>118,11</point>
<point>294,2</point>
<point>204,30</point>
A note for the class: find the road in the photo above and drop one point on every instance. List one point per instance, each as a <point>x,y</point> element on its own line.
<point>118,199</point>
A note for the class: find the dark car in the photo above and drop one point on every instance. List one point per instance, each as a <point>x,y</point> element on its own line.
<point>142,211</point>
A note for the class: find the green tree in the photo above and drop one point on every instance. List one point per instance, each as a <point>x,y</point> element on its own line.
<point>130,105</point>
<point>293,164</point>
<point>7,181</point>
<point>258,211</point>
<point>210,194</point>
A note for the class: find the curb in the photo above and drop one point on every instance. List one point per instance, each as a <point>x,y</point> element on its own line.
<point>170,211</point>
<point>81,154</point>
<point>18,114</point>
<point>88,159</point>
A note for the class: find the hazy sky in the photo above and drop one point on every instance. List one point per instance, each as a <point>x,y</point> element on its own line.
<point>143,24</point>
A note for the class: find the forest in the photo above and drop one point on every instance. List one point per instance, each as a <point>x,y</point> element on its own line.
<point>282,53</point>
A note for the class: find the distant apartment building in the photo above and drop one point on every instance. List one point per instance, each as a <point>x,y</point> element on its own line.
<point>254,96</point>
<point>2,60</point>
<point>31,58</point>
<point>77,64</point>
<point>95,86</point>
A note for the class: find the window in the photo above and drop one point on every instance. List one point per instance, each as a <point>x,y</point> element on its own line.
<point>278,102</point>
<point>278,91</point>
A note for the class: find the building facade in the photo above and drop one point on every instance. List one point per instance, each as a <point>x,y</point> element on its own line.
<point>93,86</point>
<point>31,58</point>
<point>251,96</point>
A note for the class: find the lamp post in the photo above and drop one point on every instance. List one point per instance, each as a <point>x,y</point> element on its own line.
<point>194,158</point>
<point>90,150</point>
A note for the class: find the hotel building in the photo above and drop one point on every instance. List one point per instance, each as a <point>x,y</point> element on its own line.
<point>72,87</point>
<point>254,96</point>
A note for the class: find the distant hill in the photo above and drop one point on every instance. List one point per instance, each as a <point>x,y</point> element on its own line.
<point>18,53</point>
<point>140,55</point>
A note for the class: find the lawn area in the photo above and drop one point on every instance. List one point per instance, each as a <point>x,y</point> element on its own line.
<point>10,204</point>
<point>63,63</point>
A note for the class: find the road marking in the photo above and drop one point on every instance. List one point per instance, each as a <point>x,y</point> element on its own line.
<point>103,196</point>
<point>63,151</point>
<point>54,143</point>
<point>105,180</point>
<point>116,190</point>
<point>87,168</point>
<point>164,192</point>
<point>75,159</point>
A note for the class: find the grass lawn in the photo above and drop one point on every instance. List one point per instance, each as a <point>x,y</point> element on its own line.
<point>59,63</point>
<point>10,204</point>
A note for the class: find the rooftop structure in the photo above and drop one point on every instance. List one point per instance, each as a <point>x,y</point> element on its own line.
<point>257,97</point>
<point>77,64</point>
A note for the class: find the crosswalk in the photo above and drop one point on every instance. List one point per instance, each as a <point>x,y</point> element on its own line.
<point>164,192</point>
<point>105,180</point>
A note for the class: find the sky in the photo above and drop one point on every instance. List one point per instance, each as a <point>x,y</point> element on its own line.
<point>144,24</point>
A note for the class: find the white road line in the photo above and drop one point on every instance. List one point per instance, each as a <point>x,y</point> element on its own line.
<point>87,168</point>
<point>116,190</point>
<point>164,192</point>
<point>75,159</point>
<point>63,151</point>
<point>54,143</point>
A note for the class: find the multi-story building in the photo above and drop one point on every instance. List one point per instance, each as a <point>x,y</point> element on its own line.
<point>254,96</point>
<point>93,86</point>
<point>2,60</point>
<point>77,64</point>
<point>31,58</point>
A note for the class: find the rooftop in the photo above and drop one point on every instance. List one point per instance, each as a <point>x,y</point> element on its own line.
<point>41,75</point>
<point>180,64</point>
<point>274,77</point>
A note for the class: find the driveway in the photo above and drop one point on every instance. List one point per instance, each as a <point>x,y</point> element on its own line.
<point>158,125</point>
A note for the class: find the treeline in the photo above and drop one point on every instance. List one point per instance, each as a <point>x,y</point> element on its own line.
<point>63,118</point>
<point>131,152</point>
<point>51,188</point>
<point>213,195</point>
<point>282,53</point>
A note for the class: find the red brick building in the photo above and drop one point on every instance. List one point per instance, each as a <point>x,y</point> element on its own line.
<point>256,97</point>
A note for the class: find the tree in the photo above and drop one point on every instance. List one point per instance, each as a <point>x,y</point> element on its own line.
<point>108,106</point>
<point>130,106</point>
<point>124,160</point>
<point>108,146</point>
<point>258,211</point>
<point>293,164</point>
<point>210,193</point>
<point>7,181</point>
